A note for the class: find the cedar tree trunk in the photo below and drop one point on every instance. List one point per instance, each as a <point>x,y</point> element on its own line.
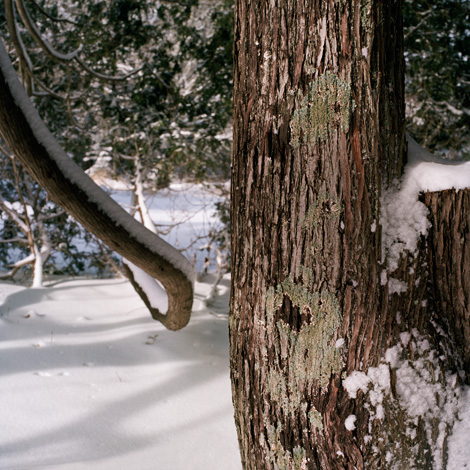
<point>326,340</point>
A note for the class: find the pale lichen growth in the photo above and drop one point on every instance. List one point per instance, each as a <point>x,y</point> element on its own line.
<point>300,458</point>
<point>309,355</point>
<point>328,103</point>
<point>315,418</point>
<point>306,356</point>
<point>281,458</point>
<point>323,306</point>
<point>326,207</point>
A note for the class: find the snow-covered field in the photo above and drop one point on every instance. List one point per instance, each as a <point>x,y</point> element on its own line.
<point>89,379</point>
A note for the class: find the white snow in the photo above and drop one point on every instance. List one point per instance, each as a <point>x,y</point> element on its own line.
<point>155,293</point>
<point>356,381</point>
<point>190,208</point>
<point>339,343</point>
<point>403,217</point>
<point>420,395</point>
<point>459,453</point>
<point>350,422</point>
<point>89,380</point>
<point>417,396</point>
<point>395,286</point>
<point>405,338</point>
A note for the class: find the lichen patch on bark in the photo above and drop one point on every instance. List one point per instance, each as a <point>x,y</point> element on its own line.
<point>327,104</point>
<point>326,206</point>
<point>284,459</point>
<point>310,354</point>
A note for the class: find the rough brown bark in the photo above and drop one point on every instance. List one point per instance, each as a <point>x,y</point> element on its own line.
<point>449,261</point>
<point>318,133</point>
<point>129,240</point>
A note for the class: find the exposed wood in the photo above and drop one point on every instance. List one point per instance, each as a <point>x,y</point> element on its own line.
<point>449,265</point>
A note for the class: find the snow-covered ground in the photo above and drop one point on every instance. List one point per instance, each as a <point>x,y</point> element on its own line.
<point>88,378</point>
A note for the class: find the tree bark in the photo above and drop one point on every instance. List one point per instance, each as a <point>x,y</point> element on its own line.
<point>318,135</point>
<point>449,261</point>
<point>71,188</point>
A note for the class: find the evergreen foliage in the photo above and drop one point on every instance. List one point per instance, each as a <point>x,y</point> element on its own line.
<point>437,45</point>
<point>151,86</point>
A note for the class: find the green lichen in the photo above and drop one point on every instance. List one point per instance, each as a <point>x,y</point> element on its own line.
<point>283,459</point>
<point>315,418</point>
<point>309,355</point>
<point>307,276</point>
<point>323,306</point>
<point>328,104</point>
<point>325,207</point>
<point>300,458</point>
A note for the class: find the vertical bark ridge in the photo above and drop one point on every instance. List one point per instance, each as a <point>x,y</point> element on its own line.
<point>449,267</point>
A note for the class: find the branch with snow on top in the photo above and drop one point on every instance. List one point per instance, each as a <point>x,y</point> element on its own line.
<point>67,184</point>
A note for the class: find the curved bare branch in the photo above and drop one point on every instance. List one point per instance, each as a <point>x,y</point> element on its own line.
<point>47,47</point>
<point>31,142</point>
<point>103,76</point>
<point>25,62</point>
<point>51,17</point>
<point>40,41</point>
<point>26,65</point>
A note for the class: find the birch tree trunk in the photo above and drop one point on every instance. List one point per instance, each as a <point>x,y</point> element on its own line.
<point>323,332</point>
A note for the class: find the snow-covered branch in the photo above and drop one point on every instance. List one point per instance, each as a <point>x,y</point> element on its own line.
<point>32,143</point>
<point>14,215</point>
<point>9,274</point>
